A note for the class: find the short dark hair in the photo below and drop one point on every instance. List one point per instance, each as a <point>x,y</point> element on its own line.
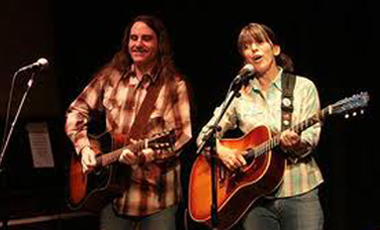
<point>256,32</point>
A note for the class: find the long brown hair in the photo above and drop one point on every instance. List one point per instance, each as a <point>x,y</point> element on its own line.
<point>122,59</point>
<point>255,32</point>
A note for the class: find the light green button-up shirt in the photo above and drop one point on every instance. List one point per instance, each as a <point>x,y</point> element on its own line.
<point>256,107</point>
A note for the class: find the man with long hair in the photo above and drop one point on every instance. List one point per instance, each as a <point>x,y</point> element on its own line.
<point>140,81</point>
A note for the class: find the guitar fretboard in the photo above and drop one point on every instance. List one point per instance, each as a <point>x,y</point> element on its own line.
<point>164,140</point>
<point>111,157</point>
<point>275,141</point>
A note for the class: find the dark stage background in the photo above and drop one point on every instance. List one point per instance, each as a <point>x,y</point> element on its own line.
<point>331,42</point>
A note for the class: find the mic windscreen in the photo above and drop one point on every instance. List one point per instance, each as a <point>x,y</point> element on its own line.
<point>248,69</point>
<point>43,63</point>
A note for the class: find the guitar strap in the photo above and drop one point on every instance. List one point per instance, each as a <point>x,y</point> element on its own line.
<point>138,127</point>
<point>288,82</point>
<point>121,172</point>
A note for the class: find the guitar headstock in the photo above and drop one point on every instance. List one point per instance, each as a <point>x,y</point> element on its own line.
<point>349,105</point>
<point>163,140</point>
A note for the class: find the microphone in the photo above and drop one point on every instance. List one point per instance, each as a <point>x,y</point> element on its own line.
<point>246,74</point>
<point>40,64</point>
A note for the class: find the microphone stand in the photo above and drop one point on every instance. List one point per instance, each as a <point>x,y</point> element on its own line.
<point>210,140</point>
<point>8,137</point>
<point>5,144</point>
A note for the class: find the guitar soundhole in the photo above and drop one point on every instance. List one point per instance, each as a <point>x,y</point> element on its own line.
<point>99,178</point>
<point>250,161</point>
<point>237,175</point>
<point>240,175</point>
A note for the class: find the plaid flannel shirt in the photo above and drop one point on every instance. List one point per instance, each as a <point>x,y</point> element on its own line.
<point>153,186</point>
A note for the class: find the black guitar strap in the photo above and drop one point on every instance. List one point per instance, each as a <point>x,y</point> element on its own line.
<point>288,82</point>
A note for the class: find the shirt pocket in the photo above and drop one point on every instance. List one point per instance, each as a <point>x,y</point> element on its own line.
<point>250,113</point>
<point>111,107</point>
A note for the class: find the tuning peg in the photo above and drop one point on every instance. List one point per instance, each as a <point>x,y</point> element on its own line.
<point>347,116</point>
<point>362,111</point>
<point>354,114</point>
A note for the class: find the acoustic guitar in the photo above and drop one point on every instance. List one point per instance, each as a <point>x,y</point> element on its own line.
<point>92,191</point>
<point>237,191</point>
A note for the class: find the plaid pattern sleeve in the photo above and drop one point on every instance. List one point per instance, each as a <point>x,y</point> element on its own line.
<point>78,114</point>
<point>180,119</point>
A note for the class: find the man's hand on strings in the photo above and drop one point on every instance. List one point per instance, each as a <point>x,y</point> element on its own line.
<point>131,158</point>
<point>88,160</point>
<point>128,157</point>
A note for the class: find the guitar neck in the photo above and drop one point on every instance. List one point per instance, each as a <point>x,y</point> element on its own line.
<point>319,116</point>
<point>164,140</point>
<point>111,157</point>
<point>352,103</point>
<point>298,128</point>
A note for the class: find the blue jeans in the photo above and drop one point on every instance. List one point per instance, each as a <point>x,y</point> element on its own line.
<point>302,212</point>
<point>164,220</point>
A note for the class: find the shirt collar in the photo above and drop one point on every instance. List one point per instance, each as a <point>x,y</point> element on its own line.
<point>278,79</point>
<point>152,73</point>
<point>276,82</point>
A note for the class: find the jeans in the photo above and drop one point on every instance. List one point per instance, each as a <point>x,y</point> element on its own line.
<point>302,212</point>
<point>164,220</point>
